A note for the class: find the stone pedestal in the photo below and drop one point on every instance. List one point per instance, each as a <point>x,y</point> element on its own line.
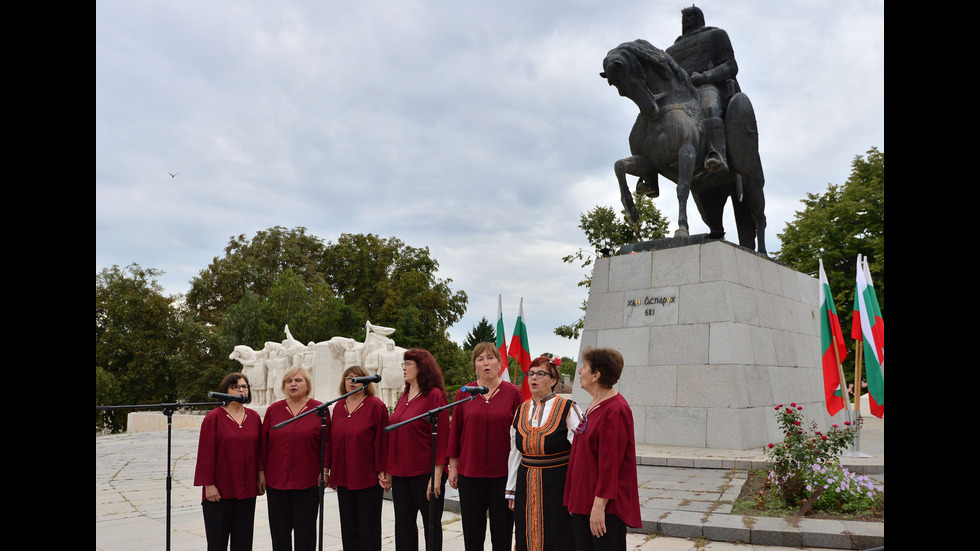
<point>714,337</point>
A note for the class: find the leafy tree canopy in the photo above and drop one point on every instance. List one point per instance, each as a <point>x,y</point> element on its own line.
<point>326,288</point>
<point>838,225</point>
<point>144,346</point>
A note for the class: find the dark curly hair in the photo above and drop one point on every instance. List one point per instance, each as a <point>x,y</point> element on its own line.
<point>429,375</point>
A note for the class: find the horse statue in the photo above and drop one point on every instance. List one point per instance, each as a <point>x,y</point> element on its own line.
<point>669,139</point>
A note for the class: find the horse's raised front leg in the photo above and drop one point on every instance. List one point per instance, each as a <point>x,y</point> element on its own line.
<point>685,174</point>
<point>637,166</point>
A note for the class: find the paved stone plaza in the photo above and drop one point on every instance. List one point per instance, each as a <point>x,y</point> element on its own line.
<point>685,494</point>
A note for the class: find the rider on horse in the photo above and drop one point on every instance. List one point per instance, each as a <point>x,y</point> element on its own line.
<point>706,54</point>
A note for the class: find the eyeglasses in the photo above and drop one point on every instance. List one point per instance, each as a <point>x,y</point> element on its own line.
<point>349,379</point>
<point>407,363</point>
<point>538,374</point>
<point>239,387</point>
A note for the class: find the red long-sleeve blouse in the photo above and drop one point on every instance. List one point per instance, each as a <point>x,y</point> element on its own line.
<point>410,446</point>
<point>228,455</point>
<point>603,464</point>
<point>480,432</point>
<point>291,455</point>
<point>358,444</point>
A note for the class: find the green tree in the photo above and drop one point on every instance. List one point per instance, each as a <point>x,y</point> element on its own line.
<point>324,289</point>
<point>605,230</point>
<point>482,332</point>
<point>393,283</point>
<point>838,225</point>
<point>135,342</point>
<point>254,265</point>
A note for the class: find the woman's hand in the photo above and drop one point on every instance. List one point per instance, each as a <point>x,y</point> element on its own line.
<point>510,503</point>
<point>430,488</point>
<point>211,493</point>
<point>597,520</point>
<point>454,472</point>
<point>261,483</point>
<point>384,481</point>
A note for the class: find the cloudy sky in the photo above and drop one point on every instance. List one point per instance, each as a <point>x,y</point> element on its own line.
<point>478,129</point>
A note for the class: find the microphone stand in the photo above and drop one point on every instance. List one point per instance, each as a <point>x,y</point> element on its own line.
<point>168,410</point>
<point>323,412</point>
<point>432,416</point>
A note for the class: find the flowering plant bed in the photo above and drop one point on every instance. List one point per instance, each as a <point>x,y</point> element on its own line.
<point>805,475</point>
<point>760,499</point>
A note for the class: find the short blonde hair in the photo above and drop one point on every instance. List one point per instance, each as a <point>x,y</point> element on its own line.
<point>292,373</point>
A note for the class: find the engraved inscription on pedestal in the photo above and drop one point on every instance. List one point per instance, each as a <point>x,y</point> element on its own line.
<point>650,307</point>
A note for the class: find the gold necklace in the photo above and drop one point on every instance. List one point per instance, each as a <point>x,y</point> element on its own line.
<point>595,404</point>
<point>239,423</point>
<point>357,407</point>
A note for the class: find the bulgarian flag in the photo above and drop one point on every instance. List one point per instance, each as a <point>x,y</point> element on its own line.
<point>501,342</point>
<point>832,347</point>
<point>869,327</point>
<point>520,351</point>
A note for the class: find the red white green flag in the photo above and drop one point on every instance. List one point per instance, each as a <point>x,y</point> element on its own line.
<point>869,327</point>
<point>502,342</point>
<point>520,351</point>
<point>831,338</point>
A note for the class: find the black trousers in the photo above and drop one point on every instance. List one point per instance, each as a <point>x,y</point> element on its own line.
<point>613,540</point>
<point>408,498</point>
<point>292,518</point>
<point>360,518</point>
<point>477,497</point>
<point>229,519</point>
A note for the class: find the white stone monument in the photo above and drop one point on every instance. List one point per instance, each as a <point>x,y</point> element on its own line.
<point>325,361</point>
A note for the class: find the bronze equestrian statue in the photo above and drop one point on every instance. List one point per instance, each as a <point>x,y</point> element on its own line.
<point>695,127</point>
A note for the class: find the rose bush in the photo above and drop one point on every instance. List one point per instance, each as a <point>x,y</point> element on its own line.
<point>801,449</point>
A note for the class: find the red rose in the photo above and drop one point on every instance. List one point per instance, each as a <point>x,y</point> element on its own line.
<point>771,445</point>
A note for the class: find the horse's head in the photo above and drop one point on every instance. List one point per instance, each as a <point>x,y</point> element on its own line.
<point>643,73</point>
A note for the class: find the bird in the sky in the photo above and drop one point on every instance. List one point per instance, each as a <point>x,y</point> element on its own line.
<point>172,175</point>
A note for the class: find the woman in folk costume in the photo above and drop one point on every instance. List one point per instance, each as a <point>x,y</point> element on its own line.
<point>541,438</point>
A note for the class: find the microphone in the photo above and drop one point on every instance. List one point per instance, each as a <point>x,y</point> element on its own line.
<point>474,389</point>
<point>228,397</point>
<point>367,379</point>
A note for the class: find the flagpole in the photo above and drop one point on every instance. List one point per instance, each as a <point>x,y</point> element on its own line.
<point>843,385</point>
<point>858,357</point>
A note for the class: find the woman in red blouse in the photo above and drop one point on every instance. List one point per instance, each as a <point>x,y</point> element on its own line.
<point>228,469</point>
<point>290,465</point>
<point>409,468</point>
<point>479,445</point>
<point>601,490</point>
<point>358,450</point>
